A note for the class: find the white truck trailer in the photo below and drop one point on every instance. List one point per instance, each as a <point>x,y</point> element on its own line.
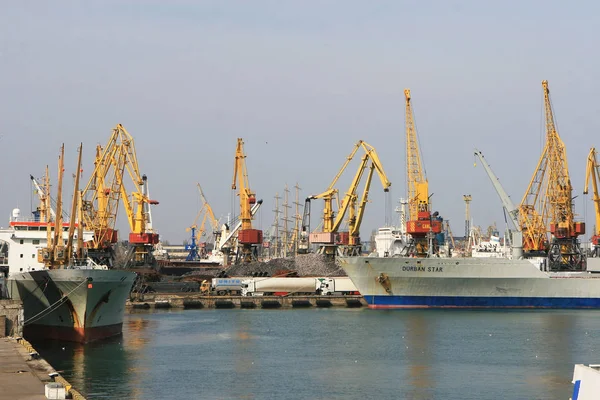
<point>269,286</point>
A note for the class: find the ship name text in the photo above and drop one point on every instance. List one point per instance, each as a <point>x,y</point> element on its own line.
<point>412,268</point>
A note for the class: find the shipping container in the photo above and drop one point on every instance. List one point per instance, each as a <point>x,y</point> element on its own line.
<point>322,237</point>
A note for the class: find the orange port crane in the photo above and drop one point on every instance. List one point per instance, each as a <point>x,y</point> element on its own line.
<point>331,223</point>
<point>421,224</point>
<point>106,190</point>
<point>548,205</point>
<point>248,237</point>
<point>592,172</point>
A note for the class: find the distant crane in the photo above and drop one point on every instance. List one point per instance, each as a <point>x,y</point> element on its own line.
<point>350,203</point>
<point>248,237</point>
<point>196,247</point>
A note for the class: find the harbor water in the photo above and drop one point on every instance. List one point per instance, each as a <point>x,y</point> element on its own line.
<point>334,354</point>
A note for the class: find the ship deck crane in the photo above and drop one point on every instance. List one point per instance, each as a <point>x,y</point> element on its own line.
<point>592,173</point>
<point>422,225</point>
<point>548,203</point>
<point>248,237</point>
<point>507,203</point>
<point>41,192</point>
<point>57,253</point>
<point>332,222</point>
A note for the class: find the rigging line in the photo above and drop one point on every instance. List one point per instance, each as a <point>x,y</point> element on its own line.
<point>56,302</point>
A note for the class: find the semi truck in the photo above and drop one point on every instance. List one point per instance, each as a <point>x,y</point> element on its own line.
<point>222,286</point>
<point>337,286</point>
<point>298,286</point>
<point>269,286</point>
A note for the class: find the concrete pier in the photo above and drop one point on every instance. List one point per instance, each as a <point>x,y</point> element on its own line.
<point>22,377</point>
<point>24,374</point>
<point>195,300</point>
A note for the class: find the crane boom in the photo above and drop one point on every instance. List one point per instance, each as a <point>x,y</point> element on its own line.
<point>214,222</point>
<point>74,207</point>
<point>509,206</point>
<point>591,173</point>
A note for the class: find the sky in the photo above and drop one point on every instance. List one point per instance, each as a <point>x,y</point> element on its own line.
<point>301,83</point>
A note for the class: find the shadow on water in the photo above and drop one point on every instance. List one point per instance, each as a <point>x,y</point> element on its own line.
<point>98,369</point>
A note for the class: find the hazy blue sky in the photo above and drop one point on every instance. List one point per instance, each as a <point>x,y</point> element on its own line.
<point>301,82</point>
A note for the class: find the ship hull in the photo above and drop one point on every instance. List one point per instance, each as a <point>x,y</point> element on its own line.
<point>468,283</point>
<point>80,305</point>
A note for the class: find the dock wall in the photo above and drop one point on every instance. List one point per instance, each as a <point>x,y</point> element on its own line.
<point>194,300</point>
<point>11,318</point>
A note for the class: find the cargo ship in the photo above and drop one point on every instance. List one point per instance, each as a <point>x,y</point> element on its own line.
<point>470,282</point>
<point>82,302</point>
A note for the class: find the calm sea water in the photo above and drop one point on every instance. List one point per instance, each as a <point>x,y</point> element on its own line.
<point>335,354</point>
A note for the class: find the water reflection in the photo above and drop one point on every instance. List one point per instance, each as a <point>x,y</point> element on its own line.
<point>418,354</point>
<point>555,345</point>
<point>98,368</point>
<point>334,354</point>
<point>244,343</point>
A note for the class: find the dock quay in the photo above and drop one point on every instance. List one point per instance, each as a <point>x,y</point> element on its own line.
<point>24,374</point>
<point>196,301</point>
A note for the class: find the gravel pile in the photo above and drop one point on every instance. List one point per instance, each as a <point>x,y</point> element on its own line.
<point>303,265</point>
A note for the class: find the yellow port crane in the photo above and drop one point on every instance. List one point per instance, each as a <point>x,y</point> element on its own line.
<point>248,238</point>
<point>592,173</point>
<point>106,190</point>
<point>214,222</point>
<point>548,205</point>
<point>421,224</point>
<point>331,223</point>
